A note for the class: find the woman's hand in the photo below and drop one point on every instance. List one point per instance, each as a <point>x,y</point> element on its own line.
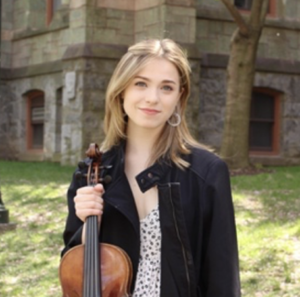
<point>88,201</point>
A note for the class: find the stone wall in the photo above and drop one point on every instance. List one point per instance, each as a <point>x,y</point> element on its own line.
<point>9,127</point>
<point>13,117</point>
<point>212,105</point>
<point>6,33</point>
<point>175,22</point>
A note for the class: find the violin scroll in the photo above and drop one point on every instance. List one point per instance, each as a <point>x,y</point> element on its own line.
<point>90,169</point>
<point>94,153</point>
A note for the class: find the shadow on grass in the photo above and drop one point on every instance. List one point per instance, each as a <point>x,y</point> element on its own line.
<point>272,197</point>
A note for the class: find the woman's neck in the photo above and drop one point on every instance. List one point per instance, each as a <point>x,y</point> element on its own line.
<point>140,142</point>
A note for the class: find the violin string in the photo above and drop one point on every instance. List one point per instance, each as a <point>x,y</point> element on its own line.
<point>92,282</point>
<point>96,260</point>
<point>86,259</point>
<point>90,286</point>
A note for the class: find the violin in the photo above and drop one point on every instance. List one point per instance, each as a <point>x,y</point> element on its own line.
<point>93,269</point>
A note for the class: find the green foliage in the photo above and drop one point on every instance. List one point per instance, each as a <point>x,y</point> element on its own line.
<point>267,207</point>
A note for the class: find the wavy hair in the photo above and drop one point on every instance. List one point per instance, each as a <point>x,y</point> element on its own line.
<point>173,141</point>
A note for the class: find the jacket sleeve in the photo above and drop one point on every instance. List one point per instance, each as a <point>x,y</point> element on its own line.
<point>73,228</point>
<point>220,275</point>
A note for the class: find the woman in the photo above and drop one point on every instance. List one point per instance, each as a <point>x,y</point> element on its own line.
<point>168,204</point>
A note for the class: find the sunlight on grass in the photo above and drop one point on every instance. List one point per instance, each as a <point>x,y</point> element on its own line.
<point>267,216</point>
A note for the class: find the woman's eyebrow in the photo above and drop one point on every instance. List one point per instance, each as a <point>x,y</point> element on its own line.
<point>141,77</point>
<point>147,79</point>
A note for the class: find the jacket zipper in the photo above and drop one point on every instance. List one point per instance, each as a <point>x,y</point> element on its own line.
<point>181,243</point>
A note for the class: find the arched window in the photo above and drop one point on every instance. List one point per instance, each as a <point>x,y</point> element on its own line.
<point>264,122</point>
<point>35,120</point>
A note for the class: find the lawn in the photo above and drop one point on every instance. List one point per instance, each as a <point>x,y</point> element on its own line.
<point>34,193</point>
<point>267,207</point>
<point>268,222</point>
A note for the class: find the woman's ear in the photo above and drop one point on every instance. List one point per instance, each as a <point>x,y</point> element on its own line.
<point>180,94</point>
<point>181,91</point>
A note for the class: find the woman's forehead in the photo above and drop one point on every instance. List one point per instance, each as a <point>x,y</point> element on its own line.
<point>159,67</point>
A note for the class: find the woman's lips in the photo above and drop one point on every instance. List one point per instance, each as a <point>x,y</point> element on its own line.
<point>149,111</point>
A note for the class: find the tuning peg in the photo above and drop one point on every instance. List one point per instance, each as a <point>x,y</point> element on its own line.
<point>82,165</point>
<point>106,179</point>
<point>79,175</point>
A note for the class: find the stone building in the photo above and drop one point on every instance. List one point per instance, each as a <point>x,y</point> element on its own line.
<point>58,55</point>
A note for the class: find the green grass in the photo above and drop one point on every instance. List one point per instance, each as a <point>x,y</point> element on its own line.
<point>268,222</point>
<point>267,215</point>
<point>34,194</point>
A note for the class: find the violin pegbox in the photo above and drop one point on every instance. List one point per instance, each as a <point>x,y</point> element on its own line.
<point>90,168</point>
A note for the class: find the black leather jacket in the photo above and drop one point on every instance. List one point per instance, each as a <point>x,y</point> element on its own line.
<point>199,255</point>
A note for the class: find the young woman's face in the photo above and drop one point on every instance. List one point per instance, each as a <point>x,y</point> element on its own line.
<point>151,97</point>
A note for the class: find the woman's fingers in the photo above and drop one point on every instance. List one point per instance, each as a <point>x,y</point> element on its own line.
<point>98,188</point>
<point>88,201</point>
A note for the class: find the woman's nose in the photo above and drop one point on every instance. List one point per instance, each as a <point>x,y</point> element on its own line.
<point>152,95</point>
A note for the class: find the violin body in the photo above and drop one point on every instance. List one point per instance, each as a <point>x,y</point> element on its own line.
<point>116,271</point>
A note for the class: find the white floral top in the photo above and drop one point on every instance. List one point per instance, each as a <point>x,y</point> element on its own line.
<point>148,275</point>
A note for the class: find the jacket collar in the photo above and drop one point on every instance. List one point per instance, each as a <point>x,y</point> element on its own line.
<point>153,175</point>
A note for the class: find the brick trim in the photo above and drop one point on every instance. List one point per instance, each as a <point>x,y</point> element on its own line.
<point>49,12</point>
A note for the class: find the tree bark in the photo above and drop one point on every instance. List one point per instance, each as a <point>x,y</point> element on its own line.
<point>240,78</point>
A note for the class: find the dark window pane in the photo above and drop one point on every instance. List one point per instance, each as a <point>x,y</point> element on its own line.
<point>37,101</point>
<point>244,4</point>
<point>262,121</point>
<point>262,107</point>
<point>36,120</point>
<point>37,135</point>
<point>261,136</point>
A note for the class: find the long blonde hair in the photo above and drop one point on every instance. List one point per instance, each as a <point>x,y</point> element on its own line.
<point>173,141</point>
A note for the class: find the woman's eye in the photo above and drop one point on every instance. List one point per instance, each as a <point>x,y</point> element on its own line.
<point>167,88</point>
<point>140,84</point>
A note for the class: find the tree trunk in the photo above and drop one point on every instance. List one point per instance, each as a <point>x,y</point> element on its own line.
<point>240,78</point>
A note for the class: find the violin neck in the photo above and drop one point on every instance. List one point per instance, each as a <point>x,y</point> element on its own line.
<point>92,277</point>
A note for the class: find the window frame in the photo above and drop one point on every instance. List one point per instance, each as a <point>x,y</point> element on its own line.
<point>276,127</point>
<point>29,131</point>
<point>50,11</point>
